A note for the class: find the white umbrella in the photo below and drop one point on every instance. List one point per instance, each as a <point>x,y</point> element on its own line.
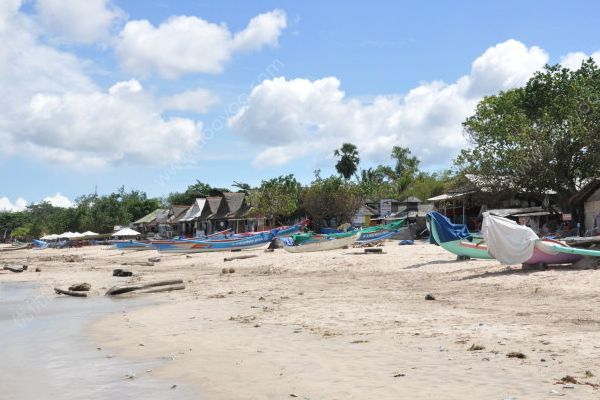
<point>126,232</point>
<point>89,233</point>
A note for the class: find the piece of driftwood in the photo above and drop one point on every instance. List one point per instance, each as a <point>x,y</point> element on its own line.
<point>373,250</point>
<point>122,272</point>
<point>239,257</point>
<point>25,246</point>
<point>142,263</point>
<point>80,287</point>
<point>115,290</point>
<point>154,259</point>
<point>70,293</point>
<point>15,269</point>
<point>163,289</point>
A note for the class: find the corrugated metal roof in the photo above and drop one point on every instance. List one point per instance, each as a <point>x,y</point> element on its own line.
<point>195,211</point>
<point>146,219</point>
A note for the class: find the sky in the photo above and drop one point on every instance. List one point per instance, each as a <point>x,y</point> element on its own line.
<point>156,94</point>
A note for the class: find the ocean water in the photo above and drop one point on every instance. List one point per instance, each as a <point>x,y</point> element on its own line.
<point>46,354</point>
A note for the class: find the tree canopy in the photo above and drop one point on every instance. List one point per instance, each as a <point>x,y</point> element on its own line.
<point>540,137</point>
<point>278,197</point>
<point>348,160</point>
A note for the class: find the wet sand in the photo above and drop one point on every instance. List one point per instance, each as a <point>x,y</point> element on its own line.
<point>344,325</point>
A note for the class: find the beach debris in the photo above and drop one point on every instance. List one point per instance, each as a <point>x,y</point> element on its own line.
<point>173,387</point>
<point>568,379</point>
<point>188,256</point>
<point>228,270</point>
<point>70,293</point>
<point>556,393</point>
<point>476,347</point>
<point>373,250</point>
<point>121,272</point>
<point>359,341</point>
<point>140,263</point>
<point>429,296</point>
<point>15,269</point>
<point>231,270</point>
<point>154,287</point>
<point>516,354</point>
<point>72,258</point>
<point>589,374</point>
<point>130,375</point>
<point>154,259</point>
<point>38,269</point>
<point>80,287</point>
<point>240,257</point>
<point>398,375</point>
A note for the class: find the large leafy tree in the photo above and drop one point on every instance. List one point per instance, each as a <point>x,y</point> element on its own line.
<point>329,198</point>
<point>278,197</point>
<point>348,160</point>
<point>541,137</point>
<point>198,189</point>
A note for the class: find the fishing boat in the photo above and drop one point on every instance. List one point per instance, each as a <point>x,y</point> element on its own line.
<point>213,244</point>
<point>511,243</point>
<point>455,238</point>
<point>308,242</point>
<point>381,232</point>
<point>131,245</point>
<point>504,240</point>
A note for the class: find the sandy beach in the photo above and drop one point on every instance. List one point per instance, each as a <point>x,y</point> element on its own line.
<point>345,325</point>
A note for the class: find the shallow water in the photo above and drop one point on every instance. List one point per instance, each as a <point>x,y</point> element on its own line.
<point>46,354</point>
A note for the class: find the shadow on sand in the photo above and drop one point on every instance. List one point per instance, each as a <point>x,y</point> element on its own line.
<point>528,269</point>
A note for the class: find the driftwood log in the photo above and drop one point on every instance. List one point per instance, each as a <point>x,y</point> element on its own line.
<point>142,263</point>
<point>80,287</point>
<point>239,257</point>
<point>162,286</point>
<point>70,293</point>
<point>15,269</point>
<point>373,250</point>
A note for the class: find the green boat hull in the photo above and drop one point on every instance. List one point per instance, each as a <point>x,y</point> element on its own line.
<point>462,248</point>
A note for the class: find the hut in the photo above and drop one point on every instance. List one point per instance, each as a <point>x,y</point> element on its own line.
<point>149,223</point>
<point>587,202</point>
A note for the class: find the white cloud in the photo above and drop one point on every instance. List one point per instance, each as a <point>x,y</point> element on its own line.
<point>96,128</point>
<point>573,60</point>
<point>51,110</point>
<point>297,117</point>
<point>198,100</point>
<point>187,44</point>
<point>7,205</point>
<point>58,200</point>
<point>86,21</point>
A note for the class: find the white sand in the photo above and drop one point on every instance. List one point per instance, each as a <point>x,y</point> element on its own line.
<point>341,324</point>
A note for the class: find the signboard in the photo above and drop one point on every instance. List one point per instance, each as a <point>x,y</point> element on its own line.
<point>385,207</point>
<point>567,217</point>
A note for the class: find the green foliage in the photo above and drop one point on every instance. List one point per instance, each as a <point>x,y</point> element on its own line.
<point>277,197</point>
<point>348,160</point>
<point>198,189</point>
<point>22,232</point>
<point>331,197</point>
<point>543,136</point>
<point>91,212</point>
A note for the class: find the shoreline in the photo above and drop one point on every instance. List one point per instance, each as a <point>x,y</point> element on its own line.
<point>342,324</point>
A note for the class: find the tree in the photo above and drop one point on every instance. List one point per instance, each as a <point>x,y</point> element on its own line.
<point>405,169</point>
<point>198,189</point>
<point>278,197</point>
<point>541,137</point>
<point>348,160</point>
<point>243,187</point>
<point>331,198</point>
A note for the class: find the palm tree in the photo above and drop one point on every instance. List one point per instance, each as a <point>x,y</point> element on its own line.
<point>348,160</point>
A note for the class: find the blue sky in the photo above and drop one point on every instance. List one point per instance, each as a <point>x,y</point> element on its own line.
<point>156,94</point>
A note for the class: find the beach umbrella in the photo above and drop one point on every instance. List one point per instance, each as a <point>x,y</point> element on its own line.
<point>126,232</point>
<point>89,233</point>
